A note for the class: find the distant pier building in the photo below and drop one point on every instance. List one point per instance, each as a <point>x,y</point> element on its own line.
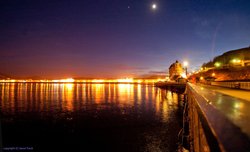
<point>175,70</point>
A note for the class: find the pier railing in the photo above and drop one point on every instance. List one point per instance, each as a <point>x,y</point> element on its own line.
<point>209,129</point>
<point>235,84</point>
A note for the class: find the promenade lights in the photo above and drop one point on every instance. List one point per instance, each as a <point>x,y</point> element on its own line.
<point>217,64</point>
<point>236,61</point>
<point>185,64</point>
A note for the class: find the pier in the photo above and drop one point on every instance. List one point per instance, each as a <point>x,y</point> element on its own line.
<point>215,118</point>
<point>214,121</point>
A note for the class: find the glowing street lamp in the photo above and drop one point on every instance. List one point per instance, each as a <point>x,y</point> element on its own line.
<point>185,64</point>
<point>236,61</point>
<point>201,78</point>
<point>217,64</point>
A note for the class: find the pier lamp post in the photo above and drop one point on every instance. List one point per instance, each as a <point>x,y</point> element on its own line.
<point>185,64</point>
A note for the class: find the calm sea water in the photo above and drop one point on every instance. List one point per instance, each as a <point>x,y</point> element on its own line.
<point>88,117</point>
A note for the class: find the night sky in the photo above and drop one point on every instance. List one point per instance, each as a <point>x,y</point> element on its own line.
<point>116,38</point>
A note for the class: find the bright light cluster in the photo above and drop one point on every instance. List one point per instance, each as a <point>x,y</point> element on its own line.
<point>71,80</point>
<point>98,80</point>
<point>236,61</point>
<point>64,80</point>
<point>125,80</point>
<point>183,75</point>
<point>185,63</point>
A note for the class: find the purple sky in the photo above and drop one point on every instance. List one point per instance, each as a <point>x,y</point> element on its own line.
<point>116,38</point>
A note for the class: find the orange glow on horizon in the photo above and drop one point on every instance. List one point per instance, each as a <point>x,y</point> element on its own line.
<point>71,80</point>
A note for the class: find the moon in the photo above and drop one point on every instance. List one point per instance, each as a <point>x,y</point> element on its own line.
<point>154,6</point>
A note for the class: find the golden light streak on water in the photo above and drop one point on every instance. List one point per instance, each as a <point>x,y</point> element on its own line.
<point>98,89</point>
<point>139,93</point>
<point>146,93</point>
<point>125,93</point>
<point>69,107</point>
<point>70,96</point>
<point>165,111</point>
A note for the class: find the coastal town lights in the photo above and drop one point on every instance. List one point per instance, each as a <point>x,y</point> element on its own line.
<point>98,80</point>
<point>125,80</point>
<point>71,80</point>
<point>217,64</point>
<point>236,61</point>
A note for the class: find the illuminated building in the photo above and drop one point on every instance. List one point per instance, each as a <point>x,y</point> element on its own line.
<point>175,71</point>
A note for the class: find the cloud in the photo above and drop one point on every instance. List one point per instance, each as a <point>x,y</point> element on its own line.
<point>157,72</point>
<point>154,74</point>
<point>129,67</point>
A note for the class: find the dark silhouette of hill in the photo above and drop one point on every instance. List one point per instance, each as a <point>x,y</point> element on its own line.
<point>226,74</point>
<point>227,57</point>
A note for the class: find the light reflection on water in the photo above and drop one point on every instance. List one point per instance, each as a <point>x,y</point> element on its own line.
<point>137,103</point>
<point>23,97</point>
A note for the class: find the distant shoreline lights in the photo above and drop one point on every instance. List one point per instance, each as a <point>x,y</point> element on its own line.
<point>71,80</point>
